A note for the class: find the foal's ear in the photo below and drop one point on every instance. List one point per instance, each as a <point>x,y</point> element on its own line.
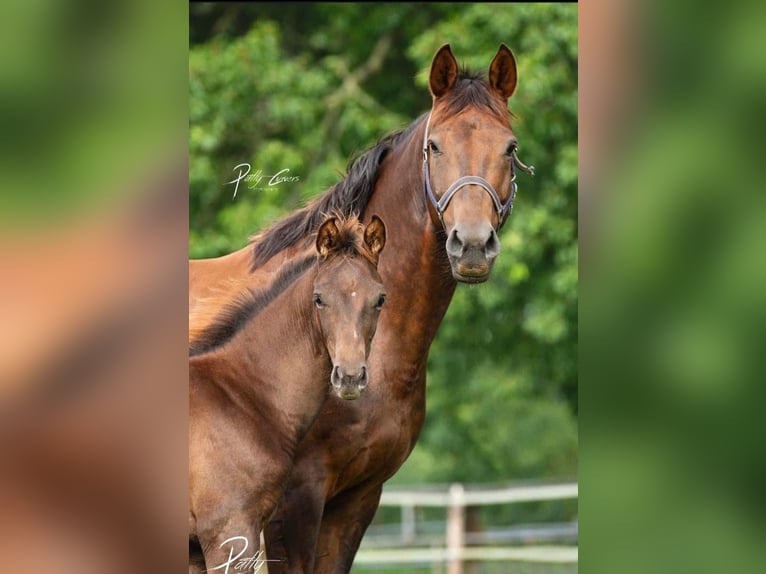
<point>375,236</point>
<point>443,72</point>
<point>328,237</point>
<point>502,72</point>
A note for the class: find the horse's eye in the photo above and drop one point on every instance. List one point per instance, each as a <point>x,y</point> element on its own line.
<point>512,147</point>
<point>318,301</point>
<point>381,300</point>
<point>433,147</point>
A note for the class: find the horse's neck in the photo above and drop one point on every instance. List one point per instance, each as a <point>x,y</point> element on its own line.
<point>210,277</point>
<point>207,276</point>
<point>279,362</point>
<point>414,264</point>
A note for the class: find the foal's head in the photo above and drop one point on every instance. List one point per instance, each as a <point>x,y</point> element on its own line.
<point>348,296</point>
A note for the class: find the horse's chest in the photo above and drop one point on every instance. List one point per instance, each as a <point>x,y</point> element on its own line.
<point>387,446</point>
<point>397,426</point>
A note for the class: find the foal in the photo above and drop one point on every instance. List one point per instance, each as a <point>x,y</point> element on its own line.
<point>259,374</point>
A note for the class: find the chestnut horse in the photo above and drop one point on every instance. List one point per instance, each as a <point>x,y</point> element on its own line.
<point>258,376</point>
<point>445,185</point>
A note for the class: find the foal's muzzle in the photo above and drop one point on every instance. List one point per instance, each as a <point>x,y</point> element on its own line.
<point>348,384</point>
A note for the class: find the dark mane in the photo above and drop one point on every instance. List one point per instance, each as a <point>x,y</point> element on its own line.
<point>347,197</point>
<point>472,89</point>
<point>205,337</point>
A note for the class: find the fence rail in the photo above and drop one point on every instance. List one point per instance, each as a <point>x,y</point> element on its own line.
<point>471,497</point>
<point>455,550</point>
<point>543,554</point>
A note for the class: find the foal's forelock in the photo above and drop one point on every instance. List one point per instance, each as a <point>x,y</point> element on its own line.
<point>352,248</point>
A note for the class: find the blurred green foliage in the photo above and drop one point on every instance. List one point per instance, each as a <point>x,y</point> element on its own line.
<point>306,87</point>
<point>673,345</point>
<point>72,77</point>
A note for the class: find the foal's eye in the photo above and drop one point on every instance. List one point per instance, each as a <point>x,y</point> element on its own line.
<point>318,301</point>
<point>381,300</point>
<point>433,147</point>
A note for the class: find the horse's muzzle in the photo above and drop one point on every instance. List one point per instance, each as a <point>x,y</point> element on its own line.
<point>472,252</point>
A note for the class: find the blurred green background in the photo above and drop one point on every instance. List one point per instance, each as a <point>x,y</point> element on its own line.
<point>673,288</point>
<point>308,86</point>
<point>90,105</point>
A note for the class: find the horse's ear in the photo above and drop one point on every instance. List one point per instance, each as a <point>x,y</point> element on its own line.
<point>328,237</point>
<point>443,72</point>
<point>502,72</point>
<point>375,236</point>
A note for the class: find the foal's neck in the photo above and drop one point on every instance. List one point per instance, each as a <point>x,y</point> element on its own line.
<point>281,363</point>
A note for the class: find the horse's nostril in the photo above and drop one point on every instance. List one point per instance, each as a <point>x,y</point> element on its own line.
<point>492,247</point>
<point>454,244</point>
<point>363,376</point>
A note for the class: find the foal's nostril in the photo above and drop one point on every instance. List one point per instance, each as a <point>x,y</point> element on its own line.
<point>336,376</point>
<point>363,377</point>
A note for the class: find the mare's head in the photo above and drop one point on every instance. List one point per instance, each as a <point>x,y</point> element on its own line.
<point>348,296</point>
<point>469,155</point>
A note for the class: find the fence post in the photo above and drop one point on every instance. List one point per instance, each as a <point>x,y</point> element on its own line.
<point>455,529</point>
<point>408,523</point>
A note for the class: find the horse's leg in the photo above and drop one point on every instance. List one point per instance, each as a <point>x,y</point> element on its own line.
<point>291,535</point>
<point>345,520</point>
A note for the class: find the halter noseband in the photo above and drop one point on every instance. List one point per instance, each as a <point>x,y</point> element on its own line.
<point>440,205</point>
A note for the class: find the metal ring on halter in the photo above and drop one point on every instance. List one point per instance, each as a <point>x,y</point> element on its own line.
<point>440,204</point>
<point>530,169</point>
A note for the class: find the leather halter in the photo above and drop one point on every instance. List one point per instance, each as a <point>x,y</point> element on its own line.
<point>440,204</point>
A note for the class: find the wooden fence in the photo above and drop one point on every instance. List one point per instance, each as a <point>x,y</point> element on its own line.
<point>454,552</point>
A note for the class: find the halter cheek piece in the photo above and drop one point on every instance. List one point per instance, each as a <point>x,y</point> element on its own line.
<point>440,205</point>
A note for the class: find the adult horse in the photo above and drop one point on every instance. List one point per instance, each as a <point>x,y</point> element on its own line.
<point>258,375</point>
<point>445,185</point>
